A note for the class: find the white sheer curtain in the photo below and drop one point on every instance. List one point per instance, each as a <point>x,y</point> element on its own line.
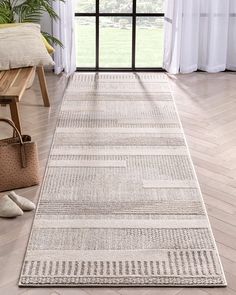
<point>200,34</point>
<point>63,29</point>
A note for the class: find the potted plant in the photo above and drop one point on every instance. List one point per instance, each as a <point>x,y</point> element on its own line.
<point>29,11</point>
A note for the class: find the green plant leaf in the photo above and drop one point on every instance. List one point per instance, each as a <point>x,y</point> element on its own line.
<point>6,12</point>
<point>27,12</point>
<point>52,40</point>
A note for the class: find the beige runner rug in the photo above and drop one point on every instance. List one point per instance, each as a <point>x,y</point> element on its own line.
<point>120,204</point>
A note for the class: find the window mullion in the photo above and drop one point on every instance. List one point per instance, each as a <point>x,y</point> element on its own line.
<point>97,34</point>
<point>134,34</point>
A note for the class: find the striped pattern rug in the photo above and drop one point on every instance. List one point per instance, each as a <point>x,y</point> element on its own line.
<point>120,204</point>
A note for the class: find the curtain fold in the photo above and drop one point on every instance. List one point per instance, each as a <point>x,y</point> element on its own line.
<point>63,29</point>
<point>200,34</point>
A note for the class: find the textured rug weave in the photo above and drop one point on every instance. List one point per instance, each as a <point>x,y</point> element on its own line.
<point>120,204</point>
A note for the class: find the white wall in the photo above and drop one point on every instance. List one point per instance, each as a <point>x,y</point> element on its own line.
<point>46,24</point>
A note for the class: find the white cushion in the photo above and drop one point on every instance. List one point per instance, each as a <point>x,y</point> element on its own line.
<point>22,46</point>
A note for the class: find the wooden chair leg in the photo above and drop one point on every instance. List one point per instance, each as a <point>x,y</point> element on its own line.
<point>15,115</point>
<point>43,86</point>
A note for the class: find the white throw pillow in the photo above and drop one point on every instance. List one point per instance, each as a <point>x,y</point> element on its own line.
<point>22,46</point>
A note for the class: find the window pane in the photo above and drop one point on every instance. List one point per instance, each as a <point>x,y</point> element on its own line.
<point>150,6</point>
<point>85,6</point>
<point>85,41</point>
<point>115,48</point>
<point>122,6</point>
<point>149,42</point>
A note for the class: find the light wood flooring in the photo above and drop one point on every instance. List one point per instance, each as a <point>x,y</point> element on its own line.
<point>207,108</point>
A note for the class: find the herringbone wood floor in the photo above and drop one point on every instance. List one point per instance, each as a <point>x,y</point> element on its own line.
<point>207,108</point>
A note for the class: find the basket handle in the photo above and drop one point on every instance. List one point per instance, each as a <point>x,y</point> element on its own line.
<point>22,148</point>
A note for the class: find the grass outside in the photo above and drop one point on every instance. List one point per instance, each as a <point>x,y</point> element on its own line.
<point>115,46</point>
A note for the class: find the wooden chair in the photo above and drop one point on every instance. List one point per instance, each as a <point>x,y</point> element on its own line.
<point>13,84</point>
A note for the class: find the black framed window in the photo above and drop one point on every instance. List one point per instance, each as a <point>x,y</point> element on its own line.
<point>119,34</point>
